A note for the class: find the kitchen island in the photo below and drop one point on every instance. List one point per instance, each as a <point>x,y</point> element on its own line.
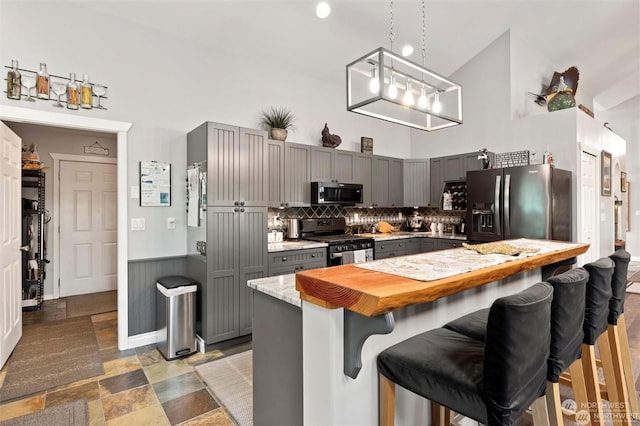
<point>351,313</point>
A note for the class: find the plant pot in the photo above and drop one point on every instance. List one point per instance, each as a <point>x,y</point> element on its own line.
<point>278,134</point>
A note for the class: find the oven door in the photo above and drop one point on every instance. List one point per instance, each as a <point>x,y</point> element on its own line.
<point>348,257</point>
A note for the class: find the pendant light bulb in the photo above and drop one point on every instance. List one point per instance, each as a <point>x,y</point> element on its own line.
<point>393,90</point>
<point>437,106</point>
<point>422,100</point>
<point>408,95</point>
<point>374,83</point>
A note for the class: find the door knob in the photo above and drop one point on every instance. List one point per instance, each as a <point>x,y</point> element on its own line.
<point>24,248</point>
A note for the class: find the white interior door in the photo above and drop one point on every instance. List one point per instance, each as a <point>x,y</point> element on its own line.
<point>88,227</point>
<point>10,255</point>
<point>589,207</point>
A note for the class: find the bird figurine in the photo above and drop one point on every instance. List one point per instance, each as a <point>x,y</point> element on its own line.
<point>329,140</point>
<point>570,76</point>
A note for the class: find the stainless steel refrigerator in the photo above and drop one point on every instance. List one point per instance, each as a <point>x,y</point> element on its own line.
<point>519,202</point>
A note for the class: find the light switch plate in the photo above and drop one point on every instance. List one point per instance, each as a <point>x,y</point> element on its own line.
<point>137,224</point>
<point>171,223</point>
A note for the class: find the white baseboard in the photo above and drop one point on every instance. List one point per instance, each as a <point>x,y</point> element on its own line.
<point>200,345</point>
<point>144,339</point>
<point>635,258</point>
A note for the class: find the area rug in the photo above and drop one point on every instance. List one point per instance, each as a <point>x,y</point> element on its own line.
<point>74,413</point>
<point>91,304</point>
<point>634,278</point>
<point>633,287</point>
<point>51,354</point>
<point>230,379</point>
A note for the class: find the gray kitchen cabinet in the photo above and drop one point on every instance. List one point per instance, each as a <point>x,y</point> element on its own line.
<point>395,248</point>
<point>236,164</point>
<point>236,253</point>
<point>275,183</point>
<point>453,168</point>
<point>332,165</point>
<point>416,182</point>
<point>436,179</point>
<point>387,182</point>
<point>444,244</point>
<point>428,244</point>
<point>450,168</point>
<point>292,261</point>
<point>297,175</point>
<point>363,175</point>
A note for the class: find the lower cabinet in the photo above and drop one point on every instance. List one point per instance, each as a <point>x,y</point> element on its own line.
<point>394,248</point>
<point>428,244</point>
<point>407,246</point>
<point>292,261</point>
<point>236,253</point>
<point>444,244</point>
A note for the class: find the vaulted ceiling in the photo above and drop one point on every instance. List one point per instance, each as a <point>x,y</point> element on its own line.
<point>600,37</point>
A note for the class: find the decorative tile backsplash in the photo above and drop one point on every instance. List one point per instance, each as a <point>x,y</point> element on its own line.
<point>365,216</point>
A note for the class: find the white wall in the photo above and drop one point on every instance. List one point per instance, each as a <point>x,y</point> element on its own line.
<point>166,87</point>
<point>485,107</point>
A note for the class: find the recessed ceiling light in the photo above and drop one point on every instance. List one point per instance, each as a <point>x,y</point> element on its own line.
<point>323,10</point>
<point>407,50</point>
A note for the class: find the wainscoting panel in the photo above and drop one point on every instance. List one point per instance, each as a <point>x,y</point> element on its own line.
<point>143,275</point>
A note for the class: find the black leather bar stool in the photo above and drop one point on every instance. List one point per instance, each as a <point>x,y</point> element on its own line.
<point>599,294</point>
<point>617,331</point>
<point>492,382</point>
<point>567,318</point>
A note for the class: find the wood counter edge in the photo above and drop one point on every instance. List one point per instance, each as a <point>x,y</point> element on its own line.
<point>372,293</point>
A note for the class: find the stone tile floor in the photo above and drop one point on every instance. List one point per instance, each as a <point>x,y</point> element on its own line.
<point>139,386</point>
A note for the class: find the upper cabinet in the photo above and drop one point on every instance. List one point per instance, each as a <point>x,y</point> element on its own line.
<point>332,165</point>
<point>387,181</point>
<point>363,173</point>
<point>450,168</point>
<point>297,175</point>
<point>237,168</point>
<point>289,177</point>
<point>416,182</point>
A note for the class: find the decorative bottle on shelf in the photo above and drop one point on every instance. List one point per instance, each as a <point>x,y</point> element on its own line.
<point>13,81</point>
<point>42,82</point>
<point>85,93</point>
<point>72,92</point>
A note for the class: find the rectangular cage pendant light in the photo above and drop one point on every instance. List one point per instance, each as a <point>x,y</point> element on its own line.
<point>384,85</point>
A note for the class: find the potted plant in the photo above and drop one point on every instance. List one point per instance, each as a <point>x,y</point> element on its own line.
<point>278,120</point>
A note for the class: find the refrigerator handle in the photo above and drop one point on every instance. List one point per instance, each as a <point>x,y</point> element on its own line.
<point>496,210</point>
<point>507,219</point>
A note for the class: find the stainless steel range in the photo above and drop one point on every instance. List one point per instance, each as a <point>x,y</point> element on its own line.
<point>342,248</point>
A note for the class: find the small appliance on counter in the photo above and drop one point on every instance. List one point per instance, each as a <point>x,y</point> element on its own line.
<point>342,248</point>
<point>415,221</point>
<point>293,229</point>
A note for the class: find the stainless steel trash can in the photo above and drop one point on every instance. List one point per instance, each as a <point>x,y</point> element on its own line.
<point>176,316</point>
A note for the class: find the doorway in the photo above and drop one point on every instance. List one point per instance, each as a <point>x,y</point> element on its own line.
<point>88,227</point>
<point>588,205</point>
<point>120,129</point>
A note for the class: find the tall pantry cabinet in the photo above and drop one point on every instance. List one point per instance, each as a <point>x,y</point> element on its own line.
<point>234,227</point>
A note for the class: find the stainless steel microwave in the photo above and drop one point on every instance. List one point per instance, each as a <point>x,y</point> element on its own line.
<point>346,194</point>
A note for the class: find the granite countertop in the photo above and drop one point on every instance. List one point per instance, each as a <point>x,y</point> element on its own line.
<point>294,245</point>
<point>281,287</point>
<point>416,234</point>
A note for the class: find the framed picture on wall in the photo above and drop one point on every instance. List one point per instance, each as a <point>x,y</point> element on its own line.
<point>605,174</point>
